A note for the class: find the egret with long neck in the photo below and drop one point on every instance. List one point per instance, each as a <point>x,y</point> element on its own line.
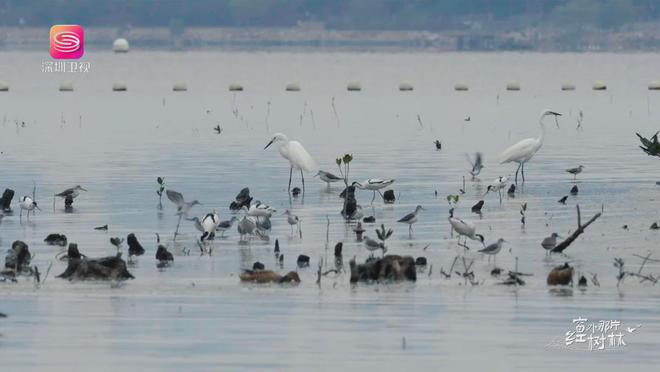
<point>524,150</point>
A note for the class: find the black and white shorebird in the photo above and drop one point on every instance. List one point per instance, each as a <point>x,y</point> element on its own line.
<point>477,207</point>
<point>493,249</point>
<point>373,245</point>
<point>498,184</point>
<point>466,229</point>
<point>477,164</point>
<point>209,223</point>
<point>28,204</point>
<point>293,220</point>
<point>575,171</point>
<point>550,242</point>
<point>163,256</point>
<point>438,145</point>
<point>259,209</point>
<point>226,225</point>
<point>72,193</point>
<point>328,177</point>
<point>217,129</point>
<point>373,184</point>
<point>411,218</point>
<point>182,206</point>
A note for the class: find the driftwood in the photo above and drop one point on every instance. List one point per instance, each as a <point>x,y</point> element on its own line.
<point>267,276</point>
<point>105,268</point>
<point>388,268</point>
<point>561,275</point>
<point>563,245</point>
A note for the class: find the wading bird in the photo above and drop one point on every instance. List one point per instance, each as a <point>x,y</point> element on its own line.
<point>477,164</point>
<point>373,245</point>
<point>209,223</point>
<point>493,249</point>
<point>292,219</point>
<point>524,150</point>
<point>295,153</point>
<point>466,229</point>
<point>373,184</point>
<point>328,177</point>
<point>71,192</point>
<point>575,171</point>
<point>182,206</point>
<point>246,226</point>
<point>226,225</point>
<point>28,203</point>
<point>411,218</point>
<point>550,242</point>
<point>498,184</point>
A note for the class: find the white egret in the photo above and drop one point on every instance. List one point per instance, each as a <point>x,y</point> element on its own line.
<point>524,150</point>
<point>373,184</point>
<point>466,229</point>
<point>295,153</point>
<point>411,218</point>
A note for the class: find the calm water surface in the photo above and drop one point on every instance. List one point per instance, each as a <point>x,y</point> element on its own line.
<point>196,315</point>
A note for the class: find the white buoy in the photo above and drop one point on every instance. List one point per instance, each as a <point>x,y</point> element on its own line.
<point>119,87</point>
<point>513,86</point>
<point>354,86</point>
<point>568,86</point>
<point>4,86</point>
<point>180,87</point>
<point>120,46</point>
<point>292,87</point>
<point>235,87</point>
<point>599,85</point>
<point>66,86</point>
<point>406,87</point>
<point>461,87</point>
<point>654,85</point>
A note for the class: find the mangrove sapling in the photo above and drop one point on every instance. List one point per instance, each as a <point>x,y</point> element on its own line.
<point>383,234</point>
<point>160,190</point>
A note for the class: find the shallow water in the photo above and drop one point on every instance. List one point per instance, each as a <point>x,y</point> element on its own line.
<point>197,315</point>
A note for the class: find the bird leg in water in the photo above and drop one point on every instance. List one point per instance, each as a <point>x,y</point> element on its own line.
<point>176,232</point>
<point>522,170</point>
<point>519,164</point>
<point>374,198</point>
<point>303,179</point>
<point>290,175</point>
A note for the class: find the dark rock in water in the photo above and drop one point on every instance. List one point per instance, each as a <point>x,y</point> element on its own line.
<point>281,260</point>
<point>56,239</point>
<point>243,199</point>
<point>105,268</point>
<point>267,276</point>
<point>3,315</point>
<point>302,261</point>
<point>561,275</point>
<point>512,190</point>
<point>574,190</point>
<point>496,272</point>
<point>338,248</point>
<point>295,192</point>
<point>277,247</point>
<point>420,261</point>
<point>134,246</point>
<point>654,226</point>
<point>68,203</point>
<point>582,282</point>
<point>258,266</point>
<point>370,219</point>
<point>102,228</point>
<point>388,197</point>
<point>563,200</point>
<point>477,207</point>
<point>73,253</point>
<point>18,257</point>
<point>163,255</point>
<point>5,201</point>
<point>388,268</point>
<point>350,190</point>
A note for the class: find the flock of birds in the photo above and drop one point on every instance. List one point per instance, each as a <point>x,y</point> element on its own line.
<point>257,217</point>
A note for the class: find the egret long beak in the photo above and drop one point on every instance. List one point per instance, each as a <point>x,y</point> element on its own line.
<point>555,113</point>
<point>269,143</point>
<point>83,189</point>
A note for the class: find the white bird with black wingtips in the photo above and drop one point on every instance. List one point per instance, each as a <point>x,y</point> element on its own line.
<point>209,223</point>
<point>373,184</point>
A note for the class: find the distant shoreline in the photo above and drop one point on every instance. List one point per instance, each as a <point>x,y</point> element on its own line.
<point>642,39</point>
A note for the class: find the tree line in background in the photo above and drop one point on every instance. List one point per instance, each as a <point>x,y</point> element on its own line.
<point>334,14</point>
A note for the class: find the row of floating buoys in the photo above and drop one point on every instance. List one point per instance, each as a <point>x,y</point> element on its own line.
<point>67,86</point>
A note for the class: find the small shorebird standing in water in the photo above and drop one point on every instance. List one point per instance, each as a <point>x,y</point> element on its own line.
<point>182,206</point>
<point>28,203</point>
<point>550,242</point>
<point>411,218</point>
<point>493,249</point>
<point>292,219</point>
<point>477,164</point>
<point>226,225</point>
<point>438,145</point>
<point>575,171</point>
<point>498,184</point>
<point>328,177</point>
<point>373,184</point>
<point>71,192</point>
<point>373,245</point>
